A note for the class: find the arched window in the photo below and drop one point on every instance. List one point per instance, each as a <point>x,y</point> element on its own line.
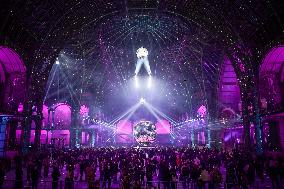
<point>272,80</point>
<point>229,90</point>
<point>12,80</point>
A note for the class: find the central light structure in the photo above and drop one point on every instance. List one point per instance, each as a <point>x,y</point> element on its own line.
<point>57,61</point>
<point>142,59</point>
<point>142,52</point>
<point>145,132</point>
<point>142,100</point>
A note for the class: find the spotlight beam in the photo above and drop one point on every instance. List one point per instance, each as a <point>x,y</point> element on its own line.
<point>129,115</point>
<point>55,92</point>
<point>151,110</point>
<point>149,82</point>
<point>127,118</point>
<point>161,113</point>
<point>149,107</point>
<point>50,83</point>
<point>129,112</point>
<point>70,89</point>
<point>136,81</point>
<point>125,113</point>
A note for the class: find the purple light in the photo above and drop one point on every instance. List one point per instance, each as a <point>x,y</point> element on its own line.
<point>62,116</point>
<point>84,111</point>
<point>163,127</point>
<point>229,91</point>
<point>201,111</point>
<point>124,127</point>
<point>11,61</point>
<point>20,108</point>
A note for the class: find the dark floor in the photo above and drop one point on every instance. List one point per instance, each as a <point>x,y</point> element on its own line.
<point>46,183</point>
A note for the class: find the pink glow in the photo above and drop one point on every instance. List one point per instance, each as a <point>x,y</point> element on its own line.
<point>85,137</point>
<point>32,138</point>
<point>272,78</point>
<point>62,116</point>
<point>20,108</point>
<point>201,111</point>
<point>45,115</point>
<point>273,62</point>
<point>124,138</point>
<point>2,74</point>
<point>18,134</point>
<point>60,134</point>
<point>56,134</point>
<point>201,137</point>
<point>11,61</point>
<point>242,67</point>
<point>273,59</point>
<point>124,127</point>
<point>84,111</point>
<point>163,127</point>
<point>145,139</point>
<point>232,134</point>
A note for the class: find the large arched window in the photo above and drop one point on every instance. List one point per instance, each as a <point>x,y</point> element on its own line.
<point>229,90</point>
<point>12,80</point>
<point>62,116</point>
<point>271,85</point>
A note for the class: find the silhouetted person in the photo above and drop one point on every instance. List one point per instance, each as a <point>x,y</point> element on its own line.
<point>45,167</point>
<point>19,172</point>
<point>164,174</point>
<point>34,176</point>
<point>184,175</point>
<point>106,175</point>
<point>55,177</point>
<point>2,173</point>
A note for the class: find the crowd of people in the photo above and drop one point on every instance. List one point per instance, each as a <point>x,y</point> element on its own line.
<point>137,168</point>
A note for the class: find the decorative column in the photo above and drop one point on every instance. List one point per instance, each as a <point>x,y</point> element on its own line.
<point>274,142</point>
<point>12,132</point>
<point>79,135</point>
<point>207,132</point>
<point>251,112</point>
<point>52,126</point>
<point>26,128</point>
<point>246,118</point>
<point>192,138</point>
<point>92,138</point>
<point>38,125</point>
<point>3,123</point>
<point>257,123</point>
<point>48,128</point>
<point>216,138</point>
<point>74,133</point>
